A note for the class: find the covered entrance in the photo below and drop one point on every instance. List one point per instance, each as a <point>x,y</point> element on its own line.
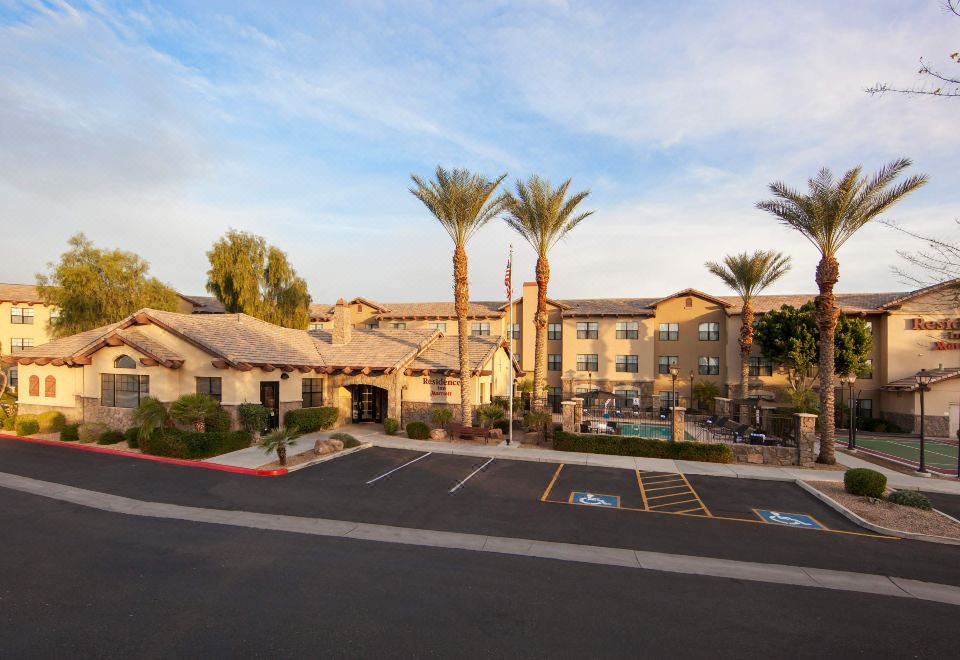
<point>369,403</point>
<point>270,399</point>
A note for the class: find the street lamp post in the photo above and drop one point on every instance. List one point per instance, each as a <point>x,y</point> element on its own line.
<point>674,372</point>
<point>690,403</point>
<point>923,379</point>
<point>851,432</point>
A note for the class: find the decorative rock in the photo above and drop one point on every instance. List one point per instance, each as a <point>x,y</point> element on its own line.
<point>438,434</point>
<point>496,434</point>
<point>324,447</point>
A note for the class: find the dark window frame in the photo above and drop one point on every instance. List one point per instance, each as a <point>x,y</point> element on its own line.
<point>709,368</point>
<point>671,333</point>
<point>712,333</point>
<point>630,330</point>
<point>480,329</point>
<point>311,390</point>
<point>554,331</point>
<point>554,361</point>
<point>588,330</point>
<point>212,386</point>
<point>628,365</point>
<point>664,367</point>
<point>588,362</point>
<point>111,384</point>
<point>25,313</point>
<point>760,366</point>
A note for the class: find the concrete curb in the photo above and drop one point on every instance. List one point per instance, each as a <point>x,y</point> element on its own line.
<point>329,457</point>
<point>850,515</point>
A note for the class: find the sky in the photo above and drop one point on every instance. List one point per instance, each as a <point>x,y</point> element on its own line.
<point>156,126</point>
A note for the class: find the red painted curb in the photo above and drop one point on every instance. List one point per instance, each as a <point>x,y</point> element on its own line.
<point>148,457</point>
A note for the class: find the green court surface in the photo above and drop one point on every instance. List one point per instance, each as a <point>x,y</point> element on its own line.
<point>940,455</point>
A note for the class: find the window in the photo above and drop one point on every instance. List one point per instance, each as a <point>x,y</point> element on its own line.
<point>666,399</point>
<point>312,392</point>
<point>688,303</point>
<point>761,366</point>
<point>627,363</point>
<point>442,327</point>
<point>21,315</point>
<point>581,390</point>
<point>628,330</point>
<point>664,362</point>
<point>13,377</point>
<point>50,387</point>
<point>34,385</point>
<point>315,326</point>
<point>554,397</point>
<point>373,326</point>
<point>554,331</point>
<point>123,390</point>
<point>480,329</point>
<point>864,408</point>
<point>709,366</point>
<point>211,386</point>
<point>709,332</point>
<point>54,314</point>
<point>869,325</point>
<point>554,362</point>
<point>17,345</point>
<point>625,397</point>
<point>867,371</point>
<point>124,362</point>
<point>587,330</point>
<point>398,326</point>
<point>669,331</point>
<point>515,333</point>
<point>587,362</point>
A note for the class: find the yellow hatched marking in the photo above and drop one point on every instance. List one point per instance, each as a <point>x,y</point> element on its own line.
<point>650,490</point>
<point>556,474</point>
<point>695,494</point>
<point>659,506</point>
<point>654,481</point>
<point>696,508</point>
<point>643,492</point>
<point>681,494</point>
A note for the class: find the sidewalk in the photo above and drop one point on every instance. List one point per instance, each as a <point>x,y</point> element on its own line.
<point>255,456</point>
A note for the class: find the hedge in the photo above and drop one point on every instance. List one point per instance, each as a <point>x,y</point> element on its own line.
<point>27,425</point>
<point>308,420</point>
<point>91,432</point>
<point>642,447</point>
<point>348,440</point>
<point>110,438</point>
<point>253,417</point>
<point>864,481</point>
<point>51,421</point>
<point>912,498</point>
<point>132,436</point>
<point>418,431</point>
<point>175,443</point>
<point>70,433</point>
<point>391,426</point>
<point>219,421</point>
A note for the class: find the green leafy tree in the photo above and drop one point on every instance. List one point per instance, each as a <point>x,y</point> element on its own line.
<point>463,202</point>
<point>149,416</point>
<point>828,215</point>
<point>279,440</point>
<point>250,277</point>
<point>194,409</point>
<point>93,287</point>
<point>543,215</point>
<point>749,275</point>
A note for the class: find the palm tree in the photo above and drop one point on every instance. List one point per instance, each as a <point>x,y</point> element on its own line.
<point>149,416</point>
<point>748,275</point>
<point>194,409</point>
<point>279,440</point>
<point>463,202</point>
<point>543,215</point>
<point>828,215</point>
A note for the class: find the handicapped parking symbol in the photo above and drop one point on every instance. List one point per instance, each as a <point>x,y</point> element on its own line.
<point>592,499</point>
<point>800,520</point>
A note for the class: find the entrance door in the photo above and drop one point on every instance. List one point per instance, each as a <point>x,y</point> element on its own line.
<point>270,399</point>
<point>369,403</point>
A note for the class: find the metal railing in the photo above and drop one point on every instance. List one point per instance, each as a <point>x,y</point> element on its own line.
<point>766,427</point>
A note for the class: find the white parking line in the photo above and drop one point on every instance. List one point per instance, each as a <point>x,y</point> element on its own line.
<point>386,474</point>
<point>469,476</point>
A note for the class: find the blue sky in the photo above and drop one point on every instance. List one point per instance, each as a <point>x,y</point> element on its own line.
<point>156,126</point>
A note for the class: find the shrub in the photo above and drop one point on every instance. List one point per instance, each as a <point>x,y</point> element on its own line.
<point>70,433</point>
<point>348,440</point>
<point>90,432</point>
<point>391,426</point>
<point>503,425</point>
<point>192,445</point>
<point>194,409</point>
<point>7,421</point>
<point>441,417</point>
<point>418,431</point>
<point>643,447</point>
<point>110,438</point>
<point>51,421</point>
<point>27,425</point>
<point>878,426</point>
<point>132,436</point>
<point>309,420</point>
<point>912,498</point>
<point>253,417</point>
<point>489,415</point>
<point>151,414</point>
<point>219,421</point>
<point>863,481</point>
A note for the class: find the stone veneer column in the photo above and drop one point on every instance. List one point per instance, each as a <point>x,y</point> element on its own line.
<point>577,413</point>
<point>722,406</point>
<point>679,413</point>
<point>806,437</point>
<point>567,416</point>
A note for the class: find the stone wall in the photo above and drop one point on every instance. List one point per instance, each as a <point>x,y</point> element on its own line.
<point>764,455</point>
<point>935,426</point>
<point>119,419</point>
<point>416,411</point>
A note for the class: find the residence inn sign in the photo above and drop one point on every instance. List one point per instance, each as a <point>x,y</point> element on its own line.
<point>951,328</point>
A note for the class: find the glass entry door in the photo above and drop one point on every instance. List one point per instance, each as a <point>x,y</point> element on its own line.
<point>369,403</point>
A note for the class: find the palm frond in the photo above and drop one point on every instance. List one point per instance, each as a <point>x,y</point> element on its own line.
<point>749,274</point>
<point>462,201</point>
<point>542,214</point>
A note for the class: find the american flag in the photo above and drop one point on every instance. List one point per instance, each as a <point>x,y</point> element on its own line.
<point>508,279</point>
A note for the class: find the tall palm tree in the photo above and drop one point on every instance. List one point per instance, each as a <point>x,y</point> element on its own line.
<point>748,275</point>
<point>463,202</point>
<point>828,215</point>
<point>543,215</point>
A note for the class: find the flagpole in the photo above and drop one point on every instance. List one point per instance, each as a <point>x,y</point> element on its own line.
<point>510,334</point>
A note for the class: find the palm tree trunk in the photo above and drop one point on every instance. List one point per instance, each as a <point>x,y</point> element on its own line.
<point>282,454</point>
<point>461,296</point>
<point>200,425</point>
<point>540,323</point>
<point>825,311</point>
<point>746,345</point>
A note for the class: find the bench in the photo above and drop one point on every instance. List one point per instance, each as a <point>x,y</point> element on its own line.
<point>470,432</point>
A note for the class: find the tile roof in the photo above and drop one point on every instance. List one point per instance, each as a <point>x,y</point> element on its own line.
<point>909,384</point>
<point>377,349</point>
<point>444,354</point>
<point>20,293</point>
<point>205,304</point>
<point>66,346</point>
<point>147,345</point>
<point>442,310</point>
<point>848,302</point>
<point>609,307</point>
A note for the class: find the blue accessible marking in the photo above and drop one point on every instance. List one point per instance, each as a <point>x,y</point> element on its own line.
<point>789,519</point>
<point>592,499</point>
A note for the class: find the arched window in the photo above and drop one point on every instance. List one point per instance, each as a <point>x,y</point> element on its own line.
<point>688,302</point>
<point>50,387</point>
<point>124,362</point>
<point>34,386</point>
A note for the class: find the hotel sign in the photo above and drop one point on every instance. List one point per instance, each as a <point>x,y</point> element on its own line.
<point>950,329</point>
<point>438,386</point>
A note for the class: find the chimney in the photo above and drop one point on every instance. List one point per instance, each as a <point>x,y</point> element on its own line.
<point>341,323</point>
